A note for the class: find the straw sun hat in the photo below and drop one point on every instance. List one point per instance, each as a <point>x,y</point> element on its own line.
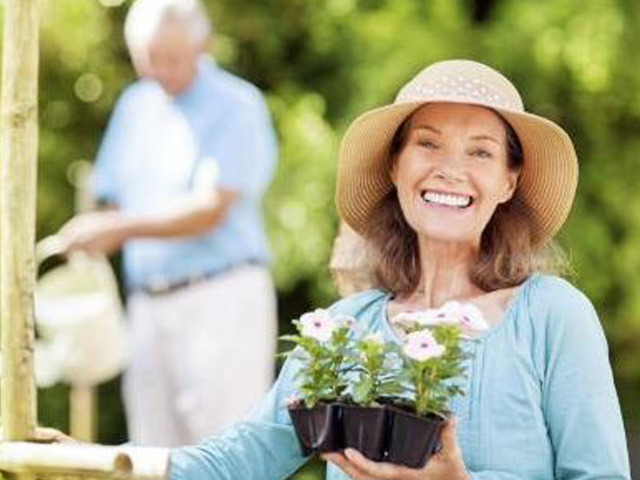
<point>549,176</point>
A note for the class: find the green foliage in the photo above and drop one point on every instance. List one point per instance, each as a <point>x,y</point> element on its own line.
<point>328,356</point>
<point>323,361</point>
<point>376,371</point>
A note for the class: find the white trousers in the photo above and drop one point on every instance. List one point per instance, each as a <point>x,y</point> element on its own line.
<point>202,357</point>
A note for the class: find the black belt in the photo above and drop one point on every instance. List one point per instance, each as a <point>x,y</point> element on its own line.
<point>162,287</point>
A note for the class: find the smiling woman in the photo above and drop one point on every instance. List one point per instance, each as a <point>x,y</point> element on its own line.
<point>459,192</point>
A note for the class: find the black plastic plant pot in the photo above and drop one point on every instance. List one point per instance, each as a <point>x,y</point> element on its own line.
<point>318,429</point>
<point>413,439</point>
<point>365,429</point>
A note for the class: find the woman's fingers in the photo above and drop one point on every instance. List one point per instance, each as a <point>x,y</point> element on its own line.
<point>449,440</point>
<point>51,435</point>
<point>445,464</point>
<point>381,470</point>
<point>346,466</point>
<point>358,467</point>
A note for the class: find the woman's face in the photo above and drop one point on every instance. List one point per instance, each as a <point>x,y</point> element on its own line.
<point>452,172</point>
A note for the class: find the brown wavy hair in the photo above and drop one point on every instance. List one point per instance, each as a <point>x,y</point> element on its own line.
<point>509,252</point>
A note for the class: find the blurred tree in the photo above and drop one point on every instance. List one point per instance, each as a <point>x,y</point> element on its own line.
<point>321,62</point>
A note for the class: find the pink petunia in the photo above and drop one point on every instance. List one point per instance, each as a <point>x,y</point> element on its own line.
<point>406,320</point>
<point>467,315</point>
<point>318,324</point>
<point>422,346</point>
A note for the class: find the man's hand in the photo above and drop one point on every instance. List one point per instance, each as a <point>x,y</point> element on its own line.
<point>94,233</point>
<point>104,232</point>
<point>447,464</point>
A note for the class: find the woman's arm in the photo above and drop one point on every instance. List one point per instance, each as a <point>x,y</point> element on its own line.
<point>580,403</point>
<point>263,447</point>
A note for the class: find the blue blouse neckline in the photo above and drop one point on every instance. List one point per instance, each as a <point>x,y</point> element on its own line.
<point>507,316</point>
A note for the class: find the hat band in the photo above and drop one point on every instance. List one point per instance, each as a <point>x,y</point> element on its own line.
<point>456,89</point>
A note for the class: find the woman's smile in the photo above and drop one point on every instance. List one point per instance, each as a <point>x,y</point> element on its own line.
<point>437,198</point>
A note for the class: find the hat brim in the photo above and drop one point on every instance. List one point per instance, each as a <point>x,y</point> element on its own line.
<point>547,182</point>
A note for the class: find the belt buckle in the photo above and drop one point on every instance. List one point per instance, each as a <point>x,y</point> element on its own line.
<point>158,286</point>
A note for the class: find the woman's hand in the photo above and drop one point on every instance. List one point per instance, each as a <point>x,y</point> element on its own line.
<point>447,464</point>
<point>51,435</point>
<point>47,435</point>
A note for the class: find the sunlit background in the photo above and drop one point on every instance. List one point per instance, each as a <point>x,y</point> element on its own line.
<point>320,63</point>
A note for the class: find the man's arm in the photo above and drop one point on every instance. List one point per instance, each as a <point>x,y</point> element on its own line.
<point>194,217</point>
<point>105,231</point>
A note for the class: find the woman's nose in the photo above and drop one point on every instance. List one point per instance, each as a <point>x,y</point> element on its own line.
<point>451,167</point>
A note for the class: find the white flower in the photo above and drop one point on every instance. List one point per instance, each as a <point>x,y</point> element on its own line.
<point>344,320</point>
<point>318,324</point>
<point>409,319</point>
<point>375,338</point>
<point>422,346</point>
<point>467,315</point>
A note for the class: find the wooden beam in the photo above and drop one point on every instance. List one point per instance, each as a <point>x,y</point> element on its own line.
<point>18,158</point>
<point>134,463</point>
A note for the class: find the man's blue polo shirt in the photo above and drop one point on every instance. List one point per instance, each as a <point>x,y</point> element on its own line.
<point>159,149</point>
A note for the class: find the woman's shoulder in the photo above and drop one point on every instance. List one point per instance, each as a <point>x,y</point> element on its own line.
<point>556,304</point>
<point>360,304</point>
<point>553,292</point>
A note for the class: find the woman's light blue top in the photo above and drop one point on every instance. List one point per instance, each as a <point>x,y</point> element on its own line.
<point>540,405</point>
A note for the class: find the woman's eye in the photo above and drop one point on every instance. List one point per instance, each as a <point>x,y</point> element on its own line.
<point>427,144</point>
<point>481,153</point>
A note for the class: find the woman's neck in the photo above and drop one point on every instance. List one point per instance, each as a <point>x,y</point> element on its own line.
<point>445,268</point>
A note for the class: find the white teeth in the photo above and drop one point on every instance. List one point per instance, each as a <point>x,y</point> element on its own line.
<point>447,199</point>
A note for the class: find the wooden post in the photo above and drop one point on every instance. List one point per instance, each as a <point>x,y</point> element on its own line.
<point>18,127</point>
<point>82,412</point>
<point>83,398</point>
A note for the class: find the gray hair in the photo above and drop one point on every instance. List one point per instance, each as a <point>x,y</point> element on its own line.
<point>145,18</point>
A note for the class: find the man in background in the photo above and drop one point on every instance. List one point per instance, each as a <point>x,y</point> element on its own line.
<point>185,161</point>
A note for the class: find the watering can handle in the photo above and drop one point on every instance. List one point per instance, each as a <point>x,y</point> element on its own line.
<point>48,247</point>
<point>54,245</point>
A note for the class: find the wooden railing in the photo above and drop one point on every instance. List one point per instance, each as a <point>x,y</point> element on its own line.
<point>83,461</point>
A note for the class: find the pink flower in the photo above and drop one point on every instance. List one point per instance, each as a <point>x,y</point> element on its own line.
<point>422,346</point>
<point>318,324</point>
<point>407,320</point>
<point>467,315</point>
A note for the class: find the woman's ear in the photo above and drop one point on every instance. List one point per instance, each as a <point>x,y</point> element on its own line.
<point>510,186</point>
<point>393,172</point>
